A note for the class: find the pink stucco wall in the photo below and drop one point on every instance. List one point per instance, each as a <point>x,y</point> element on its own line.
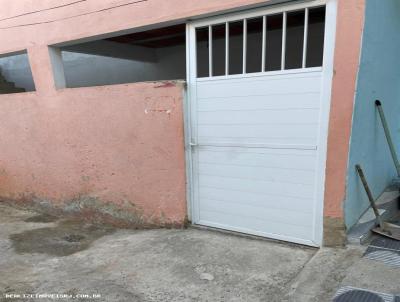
<point>120,144</point>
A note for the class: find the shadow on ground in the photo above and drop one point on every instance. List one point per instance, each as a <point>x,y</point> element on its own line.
<point>66,238</point>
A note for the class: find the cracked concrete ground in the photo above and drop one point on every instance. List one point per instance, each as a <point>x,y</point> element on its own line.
<point>40,254</point>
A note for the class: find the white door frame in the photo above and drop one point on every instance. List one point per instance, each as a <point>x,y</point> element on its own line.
<point>327,77</point>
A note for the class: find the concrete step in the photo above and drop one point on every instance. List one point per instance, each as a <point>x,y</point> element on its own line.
<point>396,182</point>
<point>388,206</point>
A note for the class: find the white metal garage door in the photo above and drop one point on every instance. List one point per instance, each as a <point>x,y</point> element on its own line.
<point>258,119</point>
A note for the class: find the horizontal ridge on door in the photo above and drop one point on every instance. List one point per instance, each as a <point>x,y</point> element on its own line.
<point>255,145</point>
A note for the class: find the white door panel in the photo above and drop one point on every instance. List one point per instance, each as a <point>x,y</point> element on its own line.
<point>248,86</point>
<point>277,215</point>
<point>274,133</point>
<point>273,201</point>
<point>256,144</point>
<point>257,157</point>
<point>277,101</point>
<point>298,116</point>
<point>250,225</point>
<point>257,185</point>
<point>258,190</point>
<point>263,173</point>
<point>297,125</point>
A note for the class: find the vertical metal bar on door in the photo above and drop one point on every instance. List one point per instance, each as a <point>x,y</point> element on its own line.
<point>284,40</point>
<point>226,48</point>
<point>264,38</point>
<point>244,44</point>
<point>305,40</point>
<point>210,58</point>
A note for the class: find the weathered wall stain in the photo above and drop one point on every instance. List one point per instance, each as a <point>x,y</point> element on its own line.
<point>42,218</point>
<point>334,232</point>
<point>89,209</point>
<point>165,84</point>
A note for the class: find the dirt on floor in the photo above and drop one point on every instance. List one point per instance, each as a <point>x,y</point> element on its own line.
<point>44,258</point>
<point>66,238</point>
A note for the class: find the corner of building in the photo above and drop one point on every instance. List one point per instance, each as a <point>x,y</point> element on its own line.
<point>350,23</point>
<point>378,79</point>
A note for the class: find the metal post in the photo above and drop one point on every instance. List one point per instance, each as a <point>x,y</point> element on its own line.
<point>388,136</point>
<point>370,197</point>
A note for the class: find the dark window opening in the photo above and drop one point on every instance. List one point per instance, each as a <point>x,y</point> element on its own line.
<point>316,35</point>
<point>202,52</point>
<point>294,40</point>
<point>15,74</point>
<point>274,43</point>
<point>218,49</point>
<point>254,45</point>
<point>153,55</point>
<point>284,41</point>
<point>236,47</point>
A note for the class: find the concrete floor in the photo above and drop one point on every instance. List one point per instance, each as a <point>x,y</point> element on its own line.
<point>42,255</point>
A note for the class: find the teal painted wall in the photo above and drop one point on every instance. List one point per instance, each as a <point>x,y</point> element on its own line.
<point>378,78</point>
